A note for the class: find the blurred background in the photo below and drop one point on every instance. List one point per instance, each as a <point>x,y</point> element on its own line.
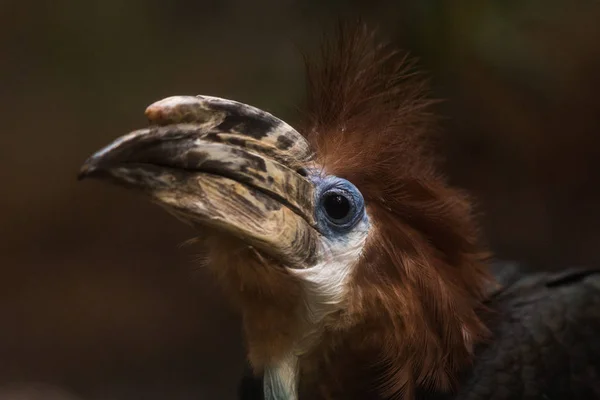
<point>99,301</point>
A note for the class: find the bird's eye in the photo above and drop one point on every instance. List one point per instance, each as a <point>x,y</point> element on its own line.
<point>341,205</point>
<point>337,206</point>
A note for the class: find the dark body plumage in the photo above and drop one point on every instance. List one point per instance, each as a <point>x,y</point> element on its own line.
<point>545,342</point>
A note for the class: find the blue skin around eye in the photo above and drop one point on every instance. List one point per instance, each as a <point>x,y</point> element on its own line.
<point>330,183</point>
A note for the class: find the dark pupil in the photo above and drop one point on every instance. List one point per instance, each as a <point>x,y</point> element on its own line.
<point>336,206</point>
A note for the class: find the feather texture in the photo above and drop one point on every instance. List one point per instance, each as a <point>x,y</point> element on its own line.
<point>545,343</point>
<point>415,292</point>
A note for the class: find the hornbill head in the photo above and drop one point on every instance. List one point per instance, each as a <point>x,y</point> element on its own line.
<point>347,253</point>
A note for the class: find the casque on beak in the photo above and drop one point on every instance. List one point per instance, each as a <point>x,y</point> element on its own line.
<point>223,165</point>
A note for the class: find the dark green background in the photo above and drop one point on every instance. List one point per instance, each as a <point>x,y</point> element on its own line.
<point>97,297</point>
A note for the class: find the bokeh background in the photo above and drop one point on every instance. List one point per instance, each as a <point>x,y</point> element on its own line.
<point>97,297</point>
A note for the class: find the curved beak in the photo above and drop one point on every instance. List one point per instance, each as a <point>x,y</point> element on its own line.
<point>224,165</point>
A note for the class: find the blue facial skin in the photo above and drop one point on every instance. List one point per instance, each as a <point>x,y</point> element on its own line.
<point>331,226</point>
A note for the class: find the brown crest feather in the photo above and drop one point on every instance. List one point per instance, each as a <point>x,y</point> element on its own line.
<point>418,286</point>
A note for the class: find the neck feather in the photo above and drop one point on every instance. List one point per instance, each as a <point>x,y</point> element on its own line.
<point>281,380</point>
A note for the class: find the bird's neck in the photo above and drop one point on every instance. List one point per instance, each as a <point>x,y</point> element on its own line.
<point>280,343</point>
<point>365,339</point>
<point>282,324</point>
<point>343,360</point>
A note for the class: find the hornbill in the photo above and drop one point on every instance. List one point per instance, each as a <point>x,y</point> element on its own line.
<point>359,271</point>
